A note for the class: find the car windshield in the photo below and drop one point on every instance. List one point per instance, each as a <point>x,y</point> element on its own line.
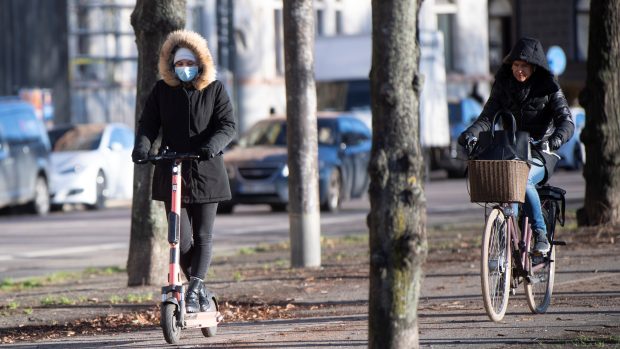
<point>82,137</point>
<point>273,133</point>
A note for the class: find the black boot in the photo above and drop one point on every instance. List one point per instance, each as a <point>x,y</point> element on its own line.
<point>192,304</point>
<point>203,298</point>
<point>541,244</point>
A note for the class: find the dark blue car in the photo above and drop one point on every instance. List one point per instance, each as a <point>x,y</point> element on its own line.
<point>462,114</point>
<point>257,165</point>
<point>573,152</point>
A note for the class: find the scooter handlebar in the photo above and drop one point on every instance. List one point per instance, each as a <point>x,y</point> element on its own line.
<point>168,156</point>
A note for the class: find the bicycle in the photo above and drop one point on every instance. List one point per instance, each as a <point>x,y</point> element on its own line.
<point>507,258</point>
<point>173,314</point>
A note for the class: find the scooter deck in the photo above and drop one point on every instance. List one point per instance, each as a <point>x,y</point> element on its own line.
<point>202,319</point>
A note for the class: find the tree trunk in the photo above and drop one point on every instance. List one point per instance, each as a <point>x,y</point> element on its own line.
<point>397,218</point>
<point>147,262</point>
<point>304,217</point>
<point>601,100</point>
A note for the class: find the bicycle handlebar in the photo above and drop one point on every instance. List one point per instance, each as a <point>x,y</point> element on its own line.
<point>470,147</point>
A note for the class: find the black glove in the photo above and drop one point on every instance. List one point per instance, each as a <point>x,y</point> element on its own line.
<point>465,138</point>
<point>139,156</point>
<point>555,143</point>
<point>207,153</point>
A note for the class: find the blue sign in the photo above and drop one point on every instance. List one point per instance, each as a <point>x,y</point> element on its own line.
<point>556,59</point>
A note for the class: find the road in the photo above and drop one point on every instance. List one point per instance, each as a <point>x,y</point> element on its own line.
<point>75,240</point>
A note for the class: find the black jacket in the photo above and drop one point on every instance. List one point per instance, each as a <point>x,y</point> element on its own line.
<point>190,118</point>
<point>538,105</point>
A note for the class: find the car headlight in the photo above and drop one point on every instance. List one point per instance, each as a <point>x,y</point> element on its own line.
<point>285,171</point>
<point>231,171</point>
<point>73,169</point>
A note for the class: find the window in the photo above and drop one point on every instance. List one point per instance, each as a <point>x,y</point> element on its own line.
<point>320,22</point>
<point>339,29</point>
<point>122,137</point>
<point>445,22</point>
<point>279,39</point>
<point>582,12</point>
<point>500,32</point>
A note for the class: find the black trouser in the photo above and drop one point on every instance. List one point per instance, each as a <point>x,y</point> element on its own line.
<point>196,238</point>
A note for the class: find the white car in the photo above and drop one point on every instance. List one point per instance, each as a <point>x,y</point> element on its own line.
<point>91,163</point>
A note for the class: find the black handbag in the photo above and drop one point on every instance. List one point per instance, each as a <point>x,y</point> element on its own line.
<point>506,144</point>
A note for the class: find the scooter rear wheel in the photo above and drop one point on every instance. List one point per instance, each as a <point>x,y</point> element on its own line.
<point>213,306</point>
<point>169,316</point>
<point>209,331</point>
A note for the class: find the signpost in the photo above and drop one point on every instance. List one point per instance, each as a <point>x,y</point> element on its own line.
<point>556,59</point>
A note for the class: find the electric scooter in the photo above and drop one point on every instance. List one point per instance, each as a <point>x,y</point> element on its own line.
<point>174,318</point>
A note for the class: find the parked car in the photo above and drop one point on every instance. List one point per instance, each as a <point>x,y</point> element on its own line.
<point>573,152</point>
<point>258,171</point>
<point>91,163</point>
<point>461,114</point>
<point>24,157</point>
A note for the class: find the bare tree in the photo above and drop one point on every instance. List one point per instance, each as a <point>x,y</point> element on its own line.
<point>304,217</point>
<point>601,100</point>
<point>152,21</point>
<point>397,218</point>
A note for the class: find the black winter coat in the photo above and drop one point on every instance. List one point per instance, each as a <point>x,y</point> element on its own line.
<point>191,118</point>
<point>539,107</point>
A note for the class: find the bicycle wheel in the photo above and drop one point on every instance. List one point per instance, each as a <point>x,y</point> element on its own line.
<point>496,265</point>
<point>539,287</point>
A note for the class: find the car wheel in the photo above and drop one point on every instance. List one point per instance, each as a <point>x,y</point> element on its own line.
<point>578,157</point>
<point>278,207</point>
<point>40,204</point>
<point>101,192</point>
<point>225,208</point>
<point>334,191</point>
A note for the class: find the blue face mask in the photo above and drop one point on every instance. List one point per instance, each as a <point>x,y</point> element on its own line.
<point>186,73</point>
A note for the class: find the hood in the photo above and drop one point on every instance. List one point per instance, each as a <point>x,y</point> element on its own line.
<point>529,50</point>
<point>198,45</point>
<point>70,159</point>
<point>256,154</point>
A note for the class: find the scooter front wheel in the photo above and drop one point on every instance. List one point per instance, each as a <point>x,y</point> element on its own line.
<point>169,316</point>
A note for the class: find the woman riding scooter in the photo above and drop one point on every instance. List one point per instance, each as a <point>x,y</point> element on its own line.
<point>195,115</point>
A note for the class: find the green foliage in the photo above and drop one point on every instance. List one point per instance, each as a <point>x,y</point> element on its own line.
<point>237,276</point>
<point>62,300</point>
<point>11,285</point>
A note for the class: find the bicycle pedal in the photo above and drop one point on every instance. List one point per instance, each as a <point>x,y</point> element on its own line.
<point>558,243</point>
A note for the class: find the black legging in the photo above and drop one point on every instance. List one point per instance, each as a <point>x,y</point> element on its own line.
<point>196,238</point>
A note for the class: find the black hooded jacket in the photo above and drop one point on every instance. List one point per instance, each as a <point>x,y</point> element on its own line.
<point>538,105</point>
<point>190,118</point>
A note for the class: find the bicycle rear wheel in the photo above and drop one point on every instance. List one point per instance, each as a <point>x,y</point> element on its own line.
<point>539,287</point>
<point>495,265</point>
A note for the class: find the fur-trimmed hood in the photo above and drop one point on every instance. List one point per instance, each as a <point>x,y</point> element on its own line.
<point>198,45</point>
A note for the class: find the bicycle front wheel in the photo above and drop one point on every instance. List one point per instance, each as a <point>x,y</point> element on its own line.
<point>539,287</point>
<point>495,265</point>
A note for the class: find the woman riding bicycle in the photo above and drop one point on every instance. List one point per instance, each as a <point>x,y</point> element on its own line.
<point>525,87</point>
<point>195,115</point>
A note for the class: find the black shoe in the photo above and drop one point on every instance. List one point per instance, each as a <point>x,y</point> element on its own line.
<point>192,304</point>
<point>541,244</point>
<point>203,297</point>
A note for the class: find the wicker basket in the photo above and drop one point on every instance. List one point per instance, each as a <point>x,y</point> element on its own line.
<point>497,180</point>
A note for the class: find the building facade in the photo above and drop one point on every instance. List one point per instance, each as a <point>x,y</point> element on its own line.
<point>554,23</point>
<point>85,52</point>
